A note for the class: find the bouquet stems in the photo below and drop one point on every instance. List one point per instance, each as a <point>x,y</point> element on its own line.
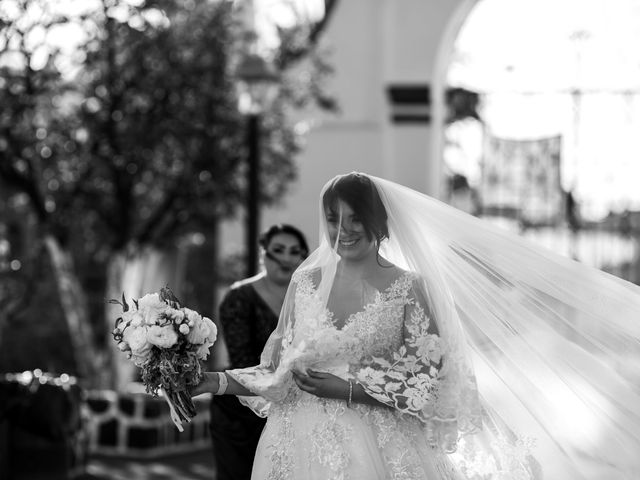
<point>181,407</point>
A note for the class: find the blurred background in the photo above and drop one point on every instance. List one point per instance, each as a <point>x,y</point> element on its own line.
<point>146,143</point>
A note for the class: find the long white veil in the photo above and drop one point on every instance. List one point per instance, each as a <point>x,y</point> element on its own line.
<point>555,345</point>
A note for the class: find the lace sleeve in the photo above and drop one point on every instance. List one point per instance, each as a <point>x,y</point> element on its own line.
<point>407,378</point>
<point>270,381</point>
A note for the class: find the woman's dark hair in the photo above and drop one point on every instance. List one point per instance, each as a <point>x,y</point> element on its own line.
<point>359,192</point>
<point>273,230</point>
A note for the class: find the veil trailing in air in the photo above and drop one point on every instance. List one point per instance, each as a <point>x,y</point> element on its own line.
<point>552,345</point>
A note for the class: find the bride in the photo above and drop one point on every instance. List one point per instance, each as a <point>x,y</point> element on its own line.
<point>418,342</point>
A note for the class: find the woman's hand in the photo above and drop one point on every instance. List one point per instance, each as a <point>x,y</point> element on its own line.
<point>208,384</point>
<point>322,384</point>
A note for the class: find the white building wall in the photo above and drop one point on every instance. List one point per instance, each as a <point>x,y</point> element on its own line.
<point>375,43</point>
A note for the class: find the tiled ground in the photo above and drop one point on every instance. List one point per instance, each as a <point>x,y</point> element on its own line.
<point>190,466</point>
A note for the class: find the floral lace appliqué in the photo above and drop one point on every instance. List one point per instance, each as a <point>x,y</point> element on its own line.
<point>328,440</point>
<point>388,348</point>
<point>407,377</point>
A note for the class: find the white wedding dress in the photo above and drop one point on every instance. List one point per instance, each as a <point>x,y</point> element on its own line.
<point>497,359</point>
<point>308,437</point>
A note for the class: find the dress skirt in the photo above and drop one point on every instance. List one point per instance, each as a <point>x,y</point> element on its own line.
<point>311,438</point>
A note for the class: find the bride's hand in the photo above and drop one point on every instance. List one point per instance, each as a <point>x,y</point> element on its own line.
<point>208,384</point>
<point>321,384</point>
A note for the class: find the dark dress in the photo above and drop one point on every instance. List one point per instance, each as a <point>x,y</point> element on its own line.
<point>247,321</point>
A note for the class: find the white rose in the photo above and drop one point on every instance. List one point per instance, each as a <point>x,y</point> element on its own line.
<point>176,315</point>
<point>151,307</point>
<point>184,329</point>
<point>200,330</point>
<point>136,319</point>
<point>163,337</point>
<point>213,330</point>
<point>137,340</point>
<point>192,315</point>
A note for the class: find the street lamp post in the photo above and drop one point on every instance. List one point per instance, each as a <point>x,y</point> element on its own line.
<point>257,85</point>
<point>253,192</point>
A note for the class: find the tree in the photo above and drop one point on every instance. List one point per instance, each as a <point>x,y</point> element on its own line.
<point>144,146</point>
<point>37,150</point>
<point>165,139</point>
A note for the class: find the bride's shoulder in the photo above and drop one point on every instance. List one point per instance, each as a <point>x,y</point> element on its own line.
<point>406,281</point>
<point>394,279</point>
<point>402,275</point>
<point>308,276</point>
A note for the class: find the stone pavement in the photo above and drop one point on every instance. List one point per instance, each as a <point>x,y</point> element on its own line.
<point>196,465</point>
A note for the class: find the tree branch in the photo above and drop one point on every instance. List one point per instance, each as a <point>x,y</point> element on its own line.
<point>161,212</point>
<point>26,185</point>
<point>293,56</point>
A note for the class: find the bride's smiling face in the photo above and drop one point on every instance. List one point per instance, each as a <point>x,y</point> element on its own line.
<point>354,242</point>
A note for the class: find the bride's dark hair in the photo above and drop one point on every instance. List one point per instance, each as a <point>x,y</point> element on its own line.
<point>359,192</point>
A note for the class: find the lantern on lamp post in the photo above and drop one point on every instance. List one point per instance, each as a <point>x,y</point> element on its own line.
<point>257,88</point>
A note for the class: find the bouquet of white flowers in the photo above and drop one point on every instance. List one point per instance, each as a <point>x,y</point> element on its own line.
<point>167,341</point>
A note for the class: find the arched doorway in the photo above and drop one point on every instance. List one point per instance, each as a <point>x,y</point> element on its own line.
<point>581,84</point>
<point>439,83</point>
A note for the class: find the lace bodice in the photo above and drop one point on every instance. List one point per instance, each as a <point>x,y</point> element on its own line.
<point>387,347</point>
<point>375,329</point>
<point>390,346</point>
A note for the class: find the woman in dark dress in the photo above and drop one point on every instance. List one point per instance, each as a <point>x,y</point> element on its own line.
<point>249,313</point>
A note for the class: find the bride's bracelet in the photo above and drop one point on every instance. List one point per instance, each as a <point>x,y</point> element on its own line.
<point>350,394</point>
<point>223,383</point>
